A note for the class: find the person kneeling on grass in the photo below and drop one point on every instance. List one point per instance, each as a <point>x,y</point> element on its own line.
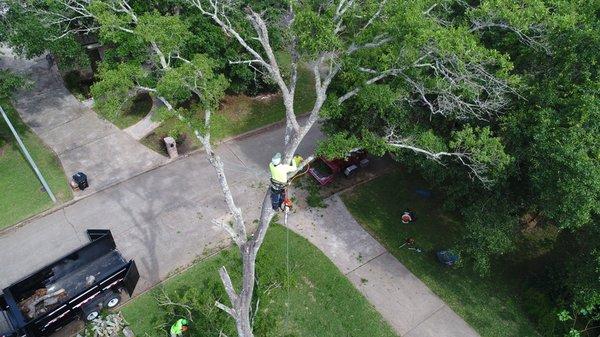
<point>179,327</point>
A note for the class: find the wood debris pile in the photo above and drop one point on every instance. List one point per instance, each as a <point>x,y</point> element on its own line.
<point>110,326</point>
<point>41,302</point>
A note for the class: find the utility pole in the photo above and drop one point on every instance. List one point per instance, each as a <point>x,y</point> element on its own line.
<point>29,159</point>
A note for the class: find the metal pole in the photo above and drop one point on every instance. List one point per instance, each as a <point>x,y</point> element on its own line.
<point>29,159</point>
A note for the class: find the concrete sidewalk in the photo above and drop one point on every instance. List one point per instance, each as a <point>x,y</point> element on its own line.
<point>83,141</point>
<point>145,126</point>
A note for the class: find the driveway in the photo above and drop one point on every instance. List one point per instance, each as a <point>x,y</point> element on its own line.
<point>83,141</point>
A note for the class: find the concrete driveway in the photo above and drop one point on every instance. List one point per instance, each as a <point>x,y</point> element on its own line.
<point>83,141</point>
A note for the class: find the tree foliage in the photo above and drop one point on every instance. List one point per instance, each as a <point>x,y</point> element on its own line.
<point>537,140</point>
<point>493,101</point>
<point>29,36</point>
<point>9,83</point>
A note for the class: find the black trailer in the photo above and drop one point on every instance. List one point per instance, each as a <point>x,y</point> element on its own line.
<point>78,285</point>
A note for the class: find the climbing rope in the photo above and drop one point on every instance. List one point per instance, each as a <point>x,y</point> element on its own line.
<point>286,210</point>
<point>287,268</point>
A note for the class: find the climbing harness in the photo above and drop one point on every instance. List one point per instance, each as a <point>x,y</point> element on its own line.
<point>286,211</point>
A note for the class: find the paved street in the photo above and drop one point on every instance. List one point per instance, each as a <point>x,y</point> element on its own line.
<point>83,141</point>
<point>161,218</point>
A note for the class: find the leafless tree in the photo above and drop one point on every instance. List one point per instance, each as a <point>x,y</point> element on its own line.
<point>325,66</point>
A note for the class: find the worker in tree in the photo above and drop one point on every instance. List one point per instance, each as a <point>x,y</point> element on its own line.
<point>279,178</point>
<point>179,327</point>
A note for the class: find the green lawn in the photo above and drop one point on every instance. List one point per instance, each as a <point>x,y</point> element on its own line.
<point>239,114</point>
<point>135,111</point>
<point>322,301</point>
<point>21,192</point>
<point>490,305</point>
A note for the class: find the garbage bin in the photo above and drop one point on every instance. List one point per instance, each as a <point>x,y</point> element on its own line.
<point>171,147</point>
<point>81,180</point>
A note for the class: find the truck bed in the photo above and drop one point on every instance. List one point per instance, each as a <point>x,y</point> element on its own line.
<point>74,282</point>
<point>48,299</point>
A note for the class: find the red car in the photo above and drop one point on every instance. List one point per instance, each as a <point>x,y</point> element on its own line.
<point>324,171</point>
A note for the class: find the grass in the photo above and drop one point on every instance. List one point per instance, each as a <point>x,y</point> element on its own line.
<point>239,114</point>
<point>22,195</point>
<point>136,110</point>
<point>323,303</point>
<point>490,305</point>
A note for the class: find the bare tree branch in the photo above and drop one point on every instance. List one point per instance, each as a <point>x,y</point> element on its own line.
<point>219,18</point>
<point>165,301</point>
<point>377,41</point>
<point>231,312</point>
<point>233,296</point>
<point>338,17</point>
<point>380,75</point>
<point>229,228</point>
<point>533,37</point>
<point>477,170</point>
<point>375,16</point>
<point>487,93</point>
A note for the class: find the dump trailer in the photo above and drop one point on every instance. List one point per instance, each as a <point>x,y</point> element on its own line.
<point>76,286</point>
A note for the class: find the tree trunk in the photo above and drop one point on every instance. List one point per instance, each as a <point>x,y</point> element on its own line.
<point>292,147</point>
<point>244,306</point>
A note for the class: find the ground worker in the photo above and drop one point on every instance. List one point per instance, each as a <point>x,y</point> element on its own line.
<point>179,327</point>
<point>279,178</point>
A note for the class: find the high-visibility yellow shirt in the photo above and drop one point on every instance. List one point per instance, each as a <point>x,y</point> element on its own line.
<point>177,328</point>
<point>280,172</point>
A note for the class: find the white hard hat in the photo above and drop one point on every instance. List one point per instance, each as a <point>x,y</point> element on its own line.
<point>276,160</point>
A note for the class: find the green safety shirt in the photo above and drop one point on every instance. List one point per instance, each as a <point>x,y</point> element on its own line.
<point>280,172</point>
<point>177,328</point>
